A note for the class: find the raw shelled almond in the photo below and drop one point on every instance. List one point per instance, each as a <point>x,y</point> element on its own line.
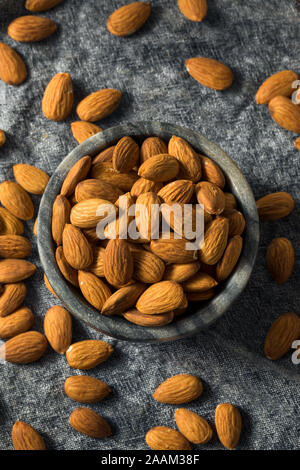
<point>58,97</point>
<point>87,421</point>
<point>193,426</point>
<point>280,259</point>
<point>144,273</point>
<point>181,388</point>
<point>24,348</point>
<point>210,72</point>
<point>31,28</point>
<point>12,67</point>
<point>17,322</point>
<point>228,423</point>
<point>85,389</point>
<point>16,200</point>
<point>194,10</point>
<point>41,5</point>
<point>165,438</point>
<point>128,19</point>
<point>278,84</point>
<point>32,179</point>
<point>12,297</point>
<point>87,354</point>
<point>281,335</point>
<point>25,437</point>
<point>285,113</point>
<point>83,130</point>
<point>274,206</point>
<point>99,104</point>
<point>58,328</point>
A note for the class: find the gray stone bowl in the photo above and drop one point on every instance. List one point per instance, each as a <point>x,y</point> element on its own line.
<point>200,315</point>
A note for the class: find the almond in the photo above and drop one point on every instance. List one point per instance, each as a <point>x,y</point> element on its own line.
<point>83,130</point>
<point>24,348</point>
<point>99,104</point>
<point>230,201</point>
<point>148,267</point>
<point>190,163</point>
<point>200,296</point>
<point>48,285</point>
<point>32,179</point>
<point>58,328</point>
<point>126,155</point>
<point>285,113</point>
<point>25,437</point>
<point>58,97</point>
<point>178,389</point>
<point>84,213</point>
<point>230,258</point>
<point>11,225</point>
<point>180,191</point>
<point>87,354</point>
<point>143,185</point>
<point>183,219</point>
<point>152,146</point>
<point>275,206</point>
<point>94,188</point>
<point>14,246</point>
<point>236,220</point>
<point>11,298</point>
<point>15,270</point>
<point>161,297</point>
<point>193,427</point>
<point>76,174</point>
<point>159,168</point>
<point>69,273</point>
<point>211,196</point>
<point>128,19</point>
<point>104,171</point>
<point>97,266</point>
<point>41,5</point>
<point>86,389</point>
<point>181,272</point>
<point>200,282</point>
<point>105,156</point>
<point>123,299</point>
<point>141,319</point>
<point>281,335</point>
<point>16,200</point>
<point>147,215</point>
<point>215,241</point>
<point>31,28</point>
<point>297,143</point>
<point>2,136</point>
<point>210,72</point>
<point>164,438</point>
<point>279,84</point>
<point>60,217</point>
<point>194,10</point>
<point>228,423</point>
<point>35,227</point>
<point>77,249</point>
<point>212,172</point>
<point>118,262</point>
<point>95,291</point>
<point>18,322</point>
<point>280,259</point>
<point>12,68</point>
<point>88,422</point>
<point>173,250</point>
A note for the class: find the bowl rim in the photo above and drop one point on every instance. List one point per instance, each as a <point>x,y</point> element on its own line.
<point>211,310</point>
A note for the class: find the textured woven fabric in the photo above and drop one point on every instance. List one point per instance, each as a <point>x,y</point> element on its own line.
<point>255,39</point>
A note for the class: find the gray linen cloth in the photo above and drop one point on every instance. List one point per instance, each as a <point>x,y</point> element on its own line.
<point>255,39</point>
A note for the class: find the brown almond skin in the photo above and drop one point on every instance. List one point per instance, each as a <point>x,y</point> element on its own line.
<point>11,225</point>
<point>12,67</point>
<point>15,270</point>
<point>41,5</point>
<point>16,200</point>
<point>152,146</point>
<point>58,328</point>
<point>173,250</point>
<point>97,267</point>
<point>210,72</point>
<point>297,143</point>
<point>193,10</point>
<point>118,262</point>
<point>280,259</point>
<point>83,130</point>
<point>181,272</point>
<point>85,389</point>
<point>76,174</point>
<point>190,162</point>
<point>228,423</point>
<point>126,155</point>
<point>25,437</point>
<point>274,206</point>
<point>123,299</point>
<point>141,319</point>
<point>178,389</point>
<point>77,250</point>
<point>200,282</point>
<point>159,168</point>
<point>60,217</point>
<point>164,438</point>
<point>94,188</point>
<point>127,19</point>
<point>48,285</point>
<point>211,196</point>
<point>69,273</point>
<point>278,84</point>
<point>161,297</point>
<point>31,28</point>
<point>236,220</point>
<point>87,354</point>
<point>58,97</point>
<point>105,155</point>
<point>104,171</point>
<point>87,421</point>
<point>24,348</point>
<point>215,241</point>
<point>32,179</point>
<point>281,335</point>
<point>99,105</point>
<point>193,427</point>
<point>2,138</point>
<point>148,267</point>
<point>230,201</point>
<point>230,258</point>
<point>12,297</point>
<point>180,191</point>
<point>285,113</point>
<point>15,323</point>
<point>200,296</point>
<point>14,246</point>
<point>212,172</point>
<point>93,289</point>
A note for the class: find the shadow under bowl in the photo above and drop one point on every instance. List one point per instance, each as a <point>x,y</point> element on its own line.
<point>199,315</point>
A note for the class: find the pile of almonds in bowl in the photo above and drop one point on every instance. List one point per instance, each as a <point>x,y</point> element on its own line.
<point>147,273</point>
